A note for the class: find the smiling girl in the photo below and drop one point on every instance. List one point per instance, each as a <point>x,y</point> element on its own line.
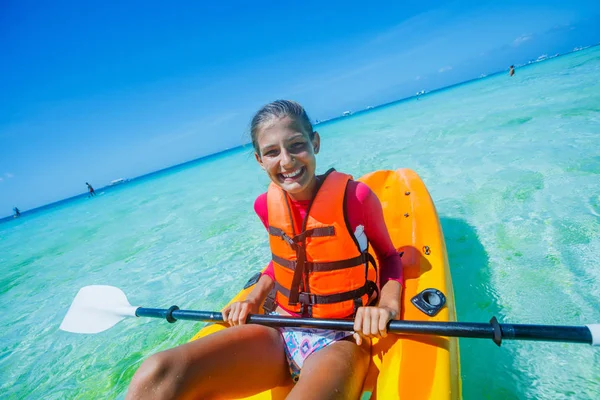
<point>319,230</point>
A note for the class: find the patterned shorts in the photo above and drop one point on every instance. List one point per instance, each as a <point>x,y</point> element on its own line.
<point>302,342</point>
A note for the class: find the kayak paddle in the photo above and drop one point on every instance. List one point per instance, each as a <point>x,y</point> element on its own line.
<point>97,308</point>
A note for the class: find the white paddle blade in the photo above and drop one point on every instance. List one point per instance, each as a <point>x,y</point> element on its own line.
<point>595,331</point>
<point>97,308</point>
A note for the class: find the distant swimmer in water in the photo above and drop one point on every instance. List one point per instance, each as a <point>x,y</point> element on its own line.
<point>17,212</point>
<point>91,189</point>
<point>512,70</point>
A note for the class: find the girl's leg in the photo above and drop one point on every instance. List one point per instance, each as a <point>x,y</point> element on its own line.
<point>334,372</point>
<point>235,362</point>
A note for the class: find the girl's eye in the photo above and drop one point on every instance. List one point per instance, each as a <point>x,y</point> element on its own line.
<point>271,153</point>
<point>298,145</point>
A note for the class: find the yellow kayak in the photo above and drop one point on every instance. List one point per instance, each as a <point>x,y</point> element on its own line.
<point>406,366</point>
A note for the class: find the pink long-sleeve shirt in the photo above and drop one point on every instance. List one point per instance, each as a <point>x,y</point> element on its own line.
<point>364,209</point>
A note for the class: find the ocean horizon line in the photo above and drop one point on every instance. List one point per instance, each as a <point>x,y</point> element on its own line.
<point>205,157</point>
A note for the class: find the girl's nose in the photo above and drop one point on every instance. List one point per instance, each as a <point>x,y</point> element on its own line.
<point>286,159</point>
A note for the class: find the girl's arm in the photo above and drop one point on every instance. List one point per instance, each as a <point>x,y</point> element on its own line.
<point>364,208</point>
<point>390,296</point>
<point>261,209</point>
<point>261,290</point>
<point>236,313</point>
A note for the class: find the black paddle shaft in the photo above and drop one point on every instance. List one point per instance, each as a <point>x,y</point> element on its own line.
<point>493,330</point>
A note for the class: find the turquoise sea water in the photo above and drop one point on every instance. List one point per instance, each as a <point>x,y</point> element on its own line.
<point>513,165</point>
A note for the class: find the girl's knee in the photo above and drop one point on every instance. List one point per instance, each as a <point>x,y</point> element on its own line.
<point>157,377</point>
<point>364,354</point>
<point>158,366</point>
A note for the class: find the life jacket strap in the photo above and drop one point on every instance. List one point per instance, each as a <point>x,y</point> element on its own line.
<point>371,259</point>
<point>299,266</point>
<point>323,231</point>
<point>298,275</point>
<point>280,233</point>
<point>270,304</point>
<point>311,298</point>
<point>357,304</point>
<point>327,266</point>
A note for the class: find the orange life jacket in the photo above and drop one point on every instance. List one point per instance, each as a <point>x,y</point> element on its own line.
<point>320,270</point>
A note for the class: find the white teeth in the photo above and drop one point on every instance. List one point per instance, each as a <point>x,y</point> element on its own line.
<point>293,174</point>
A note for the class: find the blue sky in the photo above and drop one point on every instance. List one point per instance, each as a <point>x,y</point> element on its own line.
<point>94,91</point>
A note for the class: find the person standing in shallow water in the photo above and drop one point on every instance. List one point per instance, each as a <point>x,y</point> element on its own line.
<point>91,189</point>
<point>17,212</point>
<point>512,70</point>
<point>246,359</point>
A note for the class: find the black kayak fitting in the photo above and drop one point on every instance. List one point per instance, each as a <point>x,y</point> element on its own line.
<point>429,301</point>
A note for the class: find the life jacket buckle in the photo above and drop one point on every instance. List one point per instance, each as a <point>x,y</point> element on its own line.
<point>289,241</point>
<point>306,298</point>
<point>269,305</point>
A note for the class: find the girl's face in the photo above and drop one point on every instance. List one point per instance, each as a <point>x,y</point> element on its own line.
<point>288,156</point>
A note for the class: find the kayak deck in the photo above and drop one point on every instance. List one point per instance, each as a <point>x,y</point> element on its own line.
<point>406,366</point>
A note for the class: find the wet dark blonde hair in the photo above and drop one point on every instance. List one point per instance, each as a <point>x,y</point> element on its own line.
<point>277,110</point>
